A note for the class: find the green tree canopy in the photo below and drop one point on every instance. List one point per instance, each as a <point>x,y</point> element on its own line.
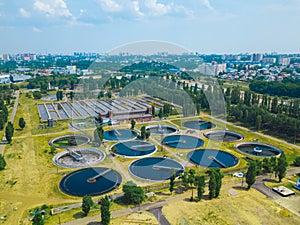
<point>133,194</point>
<point>22,123</point>
<point>9,132</point>
<point>251,175</point>
<point>105,210</point>
<point>38,219</point>
<point>2,162</point>
<point>87,202</point>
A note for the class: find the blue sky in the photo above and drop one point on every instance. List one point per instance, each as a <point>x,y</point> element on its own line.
<point>205,26</point>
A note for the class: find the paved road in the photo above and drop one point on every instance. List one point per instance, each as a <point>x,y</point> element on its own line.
<point>157,212</point>
<point>11,119</point>
<point>289,203</point>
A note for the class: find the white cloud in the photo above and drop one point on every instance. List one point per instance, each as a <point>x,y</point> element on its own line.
<point>24,13</point>
<point>136,8</point>
<point>52,7</point>
<point>158,8</point>
<point>82,11</point>
<point>110,6</point>
<point>207,4</point>
<point>37,30</point>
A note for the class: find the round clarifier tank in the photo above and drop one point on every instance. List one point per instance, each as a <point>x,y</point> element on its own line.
<point>120,134</point>
<point>212,158</point>
<point>92,181</point>
<point>161,129</point>
<point>78,157</point>
<point>155,168</point>
<point>258,149</point>
<point>223,135</point>
<point>198,124</point>
<point>72,140</point>
<point>182,141</point>
<point>133,149</point>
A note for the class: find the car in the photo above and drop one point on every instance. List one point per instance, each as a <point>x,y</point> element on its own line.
<point>238,174</point>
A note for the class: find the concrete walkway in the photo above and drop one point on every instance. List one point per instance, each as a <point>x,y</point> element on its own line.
<point>157,212</point>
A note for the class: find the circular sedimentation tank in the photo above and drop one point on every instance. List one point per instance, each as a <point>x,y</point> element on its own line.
<point>198,124</point>
<point>258,149</point>
<point>120,134</point>
<point>92,181</point>
<point>72,140</point>
<point>155,168</point>
<point>133,149</point>
<point>182,141</point>
<point>212,158</point>
<point>223,135</point>
<point>78,157</point>
<point>161,129</point>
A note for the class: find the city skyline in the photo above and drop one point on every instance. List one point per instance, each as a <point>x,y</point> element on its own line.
<point>206,26</point>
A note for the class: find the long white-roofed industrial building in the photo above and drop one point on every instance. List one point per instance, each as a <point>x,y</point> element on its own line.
<point>121,109</point>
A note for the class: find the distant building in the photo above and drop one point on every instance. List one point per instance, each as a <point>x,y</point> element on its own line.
<point>257,57</point>
<point>4,79</point>
<point>269,60</point>
<point>71,69</point>
<point>19,78</point>
<point>284,61</point>
<point>212,68</point>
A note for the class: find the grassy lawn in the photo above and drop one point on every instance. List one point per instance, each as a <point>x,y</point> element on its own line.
<point>247,207</point>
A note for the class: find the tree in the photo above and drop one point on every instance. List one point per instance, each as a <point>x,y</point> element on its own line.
<point>258,122</point>
<point>185,180</point>
<point>235,95</point>
<point>132,122</point>
<point>105,210</point>
<point>87,202</point>
<point>200,183</point>
<point>59,95</point>
<point>215,182</point>
<point>160,113</point>
<point>251,175</point>
<point>37,95</point>
<point>144,134</point>
<point>52,150</point>
<point>99,134</point>
<point>2,122</point>
<point>281,166</point>
<point>38,219</point>
<point>219,177</point>
<point>22,123</point>
<point>212,185</point>
<point>172,182</point>
<point>153,110</point>
<point>133,194</point>
<point>297,161</point>
<point>191,180</point>
<point>9,132</point>
<point>2,162</point>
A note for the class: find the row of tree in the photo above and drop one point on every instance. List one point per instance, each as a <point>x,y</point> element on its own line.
<point>191,180</point>
<point>287,88</point>
<point>268,165</point>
